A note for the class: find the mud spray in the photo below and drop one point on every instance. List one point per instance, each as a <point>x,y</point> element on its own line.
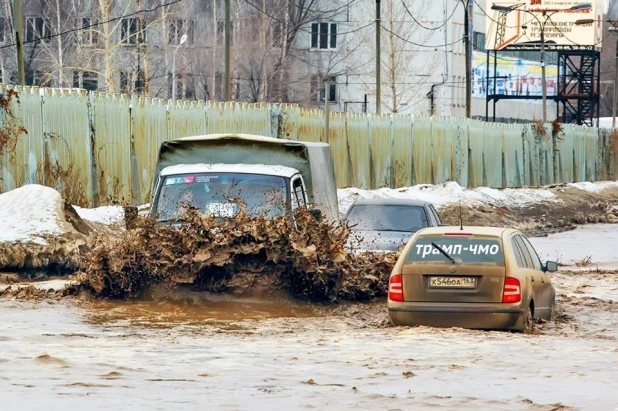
<point>244,256</point>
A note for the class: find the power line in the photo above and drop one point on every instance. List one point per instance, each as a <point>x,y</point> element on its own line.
<point>430,28</point>
<point>95,24</point>
<point>421,45</point>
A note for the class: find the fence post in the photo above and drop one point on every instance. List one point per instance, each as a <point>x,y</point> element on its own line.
<point>135,185</point>
<point>96,200</point>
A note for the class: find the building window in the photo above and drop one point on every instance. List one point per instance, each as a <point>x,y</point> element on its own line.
<point>318,91</point>
<point>324,36</point>
<point>2,30</point>
<point>179,27</point>
<point>221,31</point>
<point>277,34</point>
<point>37,29</point>
<point>478,41</point>
<point>86,79</point>
<point>132,31</point>
<point>90,36</point>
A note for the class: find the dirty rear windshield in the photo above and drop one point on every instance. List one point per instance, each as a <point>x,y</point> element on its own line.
<point>464,250</point>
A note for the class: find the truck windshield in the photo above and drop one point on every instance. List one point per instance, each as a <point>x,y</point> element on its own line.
<point>210,192</point>
<point>467,250</point>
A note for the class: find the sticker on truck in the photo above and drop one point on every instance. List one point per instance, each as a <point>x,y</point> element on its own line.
<point>461,249</point>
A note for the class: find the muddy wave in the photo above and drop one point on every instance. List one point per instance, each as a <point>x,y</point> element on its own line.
<point>244,256</point>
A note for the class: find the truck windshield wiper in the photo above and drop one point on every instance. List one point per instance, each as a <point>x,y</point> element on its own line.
<point>437,247</point>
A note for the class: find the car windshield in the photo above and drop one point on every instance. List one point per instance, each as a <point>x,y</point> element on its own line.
<point>209,192</point>
<point>462,249</point>
<point>369,217</point>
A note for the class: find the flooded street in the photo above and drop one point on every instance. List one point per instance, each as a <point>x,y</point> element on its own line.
<point>257,356</point>
<point>208,351</point>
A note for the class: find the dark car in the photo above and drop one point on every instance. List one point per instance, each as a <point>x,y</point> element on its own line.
<point>387,224</point>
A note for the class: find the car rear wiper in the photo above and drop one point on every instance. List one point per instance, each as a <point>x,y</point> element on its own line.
<point>437,247</point>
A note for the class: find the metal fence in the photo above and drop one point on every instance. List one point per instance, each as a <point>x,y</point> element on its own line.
<point>97,148</point>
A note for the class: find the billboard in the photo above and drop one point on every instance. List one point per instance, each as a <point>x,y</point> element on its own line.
<point>517,77</point>
<point>512,25</point>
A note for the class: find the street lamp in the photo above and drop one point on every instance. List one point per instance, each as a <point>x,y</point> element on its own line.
<point>182,41</point>
<point>508,9</point>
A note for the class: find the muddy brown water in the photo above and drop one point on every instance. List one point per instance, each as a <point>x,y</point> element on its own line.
<point>209,351</point>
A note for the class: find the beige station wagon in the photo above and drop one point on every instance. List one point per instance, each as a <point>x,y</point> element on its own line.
<point>470,277</point>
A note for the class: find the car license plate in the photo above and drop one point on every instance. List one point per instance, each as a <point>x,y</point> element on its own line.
<point>452,282</point>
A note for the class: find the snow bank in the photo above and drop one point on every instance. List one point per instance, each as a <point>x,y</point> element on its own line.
<point>107,215</point>
<point>38,230</point>
<point>596,187</point>
<point>30,213</point>
<point>450,193</point>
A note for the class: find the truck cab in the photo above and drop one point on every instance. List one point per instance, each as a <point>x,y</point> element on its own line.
<point>267,191</point>
<point>272,176</point>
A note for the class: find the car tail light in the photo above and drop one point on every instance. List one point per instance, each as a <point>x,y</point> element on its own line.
<point>459,233</point>
<point>512,290</point>
<point>395,288</point>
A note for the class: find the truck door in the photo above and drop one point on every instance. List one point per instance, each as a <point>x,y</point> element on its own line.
<point>298,192</point>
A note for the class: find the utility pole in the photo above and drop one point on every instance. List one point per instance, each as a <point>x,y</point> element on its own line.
<point>615,89</point>
<point>378,58</point>
<point>19,41</point>
<point>468,17</point>
<point>543,83</point>
<point>227,50</point>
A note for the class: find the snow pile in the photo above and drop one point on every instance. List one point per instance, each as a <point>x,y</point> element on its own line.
<point>596,187</point>
<point>450,193</point>
<point>30,213</point>
<point>107,215</point>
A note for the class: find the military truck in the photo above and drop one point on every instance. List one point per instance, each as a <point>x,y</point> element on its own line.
<point>272,176</point>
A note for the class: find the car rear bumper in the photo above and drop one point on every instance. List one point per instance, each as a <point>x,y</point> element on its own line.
<point>487,316</point>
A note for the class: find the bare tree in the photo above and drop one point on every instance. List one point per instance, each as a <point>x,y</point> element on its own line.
<point>405,65</point>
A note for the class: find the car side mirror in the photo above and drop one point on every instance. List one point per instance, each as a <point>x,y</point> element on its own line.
<point>551,266</point>
<point>316,213</point>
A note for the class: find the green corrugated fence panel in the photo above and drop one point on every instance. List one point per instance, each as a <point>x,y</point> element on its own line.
<point>476,142</point>
<point>242,118</point>
<point>492,151</point>
<point>565,154</point>
<point>402,150</point>
<point>512,152</point>
<point>112,151</point>
<point>290,118</point>
<point>548,155</point>
<point>67,130</point>
<point>338,139</point>
<point>24,164</point>
<point>591,153</point>
<point>310,125</point>
<point>186,118</point>
<point>579,154</point>
<point>422,150</point>
<point>150,129</point>
<point>358,142</point>
<point>380,148</point>
<point>441,146</point>
<point>533,166</point>
<point>460,152</point>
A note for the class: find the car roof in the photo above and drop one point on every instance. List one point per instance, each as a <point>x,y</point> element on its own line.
<point>391,201</point>
<point>474,230</point>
